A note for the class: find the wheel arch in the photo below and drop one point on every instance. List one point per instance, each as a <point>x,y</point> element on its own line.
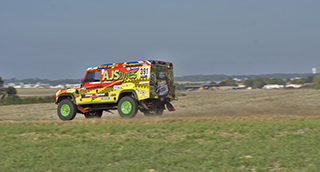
<point>128,93</point>
<point>66,96</point>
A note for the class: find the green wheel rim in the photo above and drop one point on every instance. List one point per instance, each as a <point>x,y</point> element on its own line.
<point>126,107</point>
<point>65,110</point>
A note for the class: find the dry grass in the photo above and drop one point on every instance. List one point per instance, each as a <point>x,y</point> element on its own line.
<point>250,103</point>
<point>24,92</point>
<point>231,105</point>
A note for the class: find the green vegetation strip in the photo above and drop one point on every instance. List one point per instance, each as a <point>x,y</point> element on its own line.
<point>26,100</point>
<point>182,146</point>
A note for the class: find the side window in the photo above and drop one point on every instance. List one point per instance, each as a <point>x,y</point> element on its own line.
<point>92,76</point>
<point>97,76</point>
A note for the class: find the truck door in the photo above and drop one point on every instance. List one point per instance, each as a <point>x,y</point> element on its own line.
<point>91,83</point>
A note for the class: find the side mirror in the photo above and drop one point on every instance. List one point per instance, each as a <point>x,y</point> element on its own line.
<point>81,85</point>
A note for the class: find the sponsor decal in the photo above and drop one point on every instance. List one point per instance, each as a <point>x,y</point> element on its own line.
<point>143,93</point>
<point>85,91</point>
<point>118,75</point>
<point>108,66</point>
<point>153,78</point>
<point>103,66</point>
<point>162,76</point>
<point>89,89</point>
<point>127,85</point>
<point>105,98</point>
<point>152,89</point>
<point>99,94</point>
<point>113,95</point>
<point>134,64</point>
<point>94,82</point>
<point>162,88</point>
<point>144,82</point>
<point>135,68</point>
<point>116,87</point>
<point>87,95</point>
<point>94,95</point>
<point>71,90</point>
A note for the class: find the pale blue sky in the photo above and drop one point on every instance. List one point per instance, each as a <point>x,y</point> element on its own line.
<point>61,39</point>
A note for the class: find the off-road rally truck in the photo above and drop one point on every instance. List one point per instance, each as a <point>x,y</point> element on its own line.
<point>147,86</point>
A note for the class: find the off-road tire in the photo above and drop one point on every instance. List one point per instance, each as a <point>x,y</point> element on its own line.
<point>159,112</point>
<point>146,112</point>
<point>94,114</point>
<point>66,110</point>
<point>127,107</point>
<point>149,113</point>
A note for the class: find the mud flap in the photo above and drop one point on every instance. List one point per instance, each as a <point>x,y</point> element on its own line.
<point>170,107</point>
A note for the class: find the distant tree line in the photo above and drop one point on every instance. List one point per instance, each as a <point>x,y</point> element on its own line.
<point>191,78</point>
<point>6,92</point>
<point>8,96</point>
<point>259,82</point>
<point>43,81</point>
<point>16,100</point>
<point>203,78</point>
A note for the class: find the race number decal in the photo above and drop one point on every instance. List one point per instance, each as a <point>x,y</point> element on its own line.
<point>143,72</point>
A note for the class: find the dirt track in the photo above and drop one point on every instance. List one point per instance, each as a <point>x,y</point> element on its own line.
<point>232,104</point>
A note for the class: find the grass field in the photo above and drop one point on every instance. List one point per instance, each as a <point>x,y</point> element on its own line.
<point>236,130</point>
<point>213,104</point>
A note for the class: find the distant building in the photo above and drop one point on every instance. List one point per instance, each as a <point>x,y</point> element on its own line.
<point>237,79</point>
<point>230,87</point>
<point>294,85</point>
<point>57,87</point>
<point>241,85</point>
<point>272,86</point>
<point>72,85</point>
<point>39,85</point>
